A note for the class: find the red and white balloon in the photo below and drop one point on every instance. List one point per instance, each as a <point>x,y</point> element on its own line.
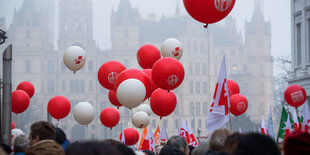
<point>140,119</point>
<point>295,95</point>
<point>171,47</point>
<point>108,73</point>
<point>238,104</point>
<point>74,58</point>
<point>147,55</point>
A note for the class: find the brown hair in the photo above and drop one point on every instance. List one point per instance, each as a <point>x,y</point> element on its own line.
<point>44,130</point>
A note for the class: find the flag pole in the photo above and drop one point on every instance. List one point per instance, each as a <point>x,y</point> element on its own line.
<point>230,125</point>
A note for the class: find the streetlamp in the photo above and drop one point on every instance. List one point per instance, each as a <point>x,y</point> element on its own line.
<point>2,36</point>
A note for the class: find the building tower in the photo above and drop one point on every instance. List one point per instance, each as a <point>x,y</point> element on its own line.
<point>76,24</point>
<point>260,68</point>
<point>125,28</point>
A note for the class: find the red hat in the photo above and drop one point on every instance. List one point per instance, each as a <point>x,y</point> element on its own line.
<point>297,143</point>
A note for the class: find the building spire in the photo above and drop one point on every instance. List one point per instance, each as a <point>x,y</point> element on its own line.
<point>259,4</point>
<point>177,9</point>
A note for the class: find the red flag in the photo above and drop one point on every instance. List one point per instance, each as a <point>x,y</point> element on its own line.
<point>219,109</point>
<point>192,139</point>
<point>183,132</point>
<point>142,138</point>
<point>156,135</point>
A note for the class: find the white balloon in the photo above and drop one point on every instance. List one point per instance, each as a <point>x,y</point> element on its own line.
<point>74,58</point>
<point>83,113</point>
<point>140,119</point>
<point>130,93</point>
<point>171,47</point>
<point>146,108</point>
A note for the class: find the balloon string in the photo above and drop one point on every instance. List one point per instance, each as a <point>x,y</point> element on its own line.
<point>205,26</point>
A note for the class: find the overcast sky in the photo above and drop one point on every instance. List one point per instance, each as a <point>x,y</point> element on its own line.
<point>278,11</point>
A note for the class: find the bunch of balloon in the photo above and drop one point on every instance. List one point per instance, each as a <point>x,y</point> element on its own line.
<point>172,47</point>
<point>59,107</point>
<point>131,136</point>
<point>74,58</point>
<point>140,119</point>
<point>109,117</point>
<point>295,96</point>
<point>132,87</point>
<point>238,104</point>
<point>144,107</point>
<point>163,102</point>
<point>147,55</point>
<point>21,97</point>
<point>83,113</point>
<point>208,11</point>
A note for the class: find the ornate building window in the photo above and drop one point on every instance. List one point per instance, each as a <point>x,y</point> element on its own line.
<point>205,108</point>
<point>193,125</point>
<point>77,86</point>
<point>85,26</point>
<point>90,66</point>
<point>198,108</point>
<point>90,85</point>
<point>199,123</point>
<point>50,87</point>
<point>298,44</point>
<point>191,68</point>
<point>62,66</point>
<point>197,87</point>
<point>197,68</point>
<point>63,85</point>
<point>50,66</point>
<point>66,26</point>
<point>71,86</point>
<point>176,123</point>
<point>191,87</point>
<point>75,25</point>
<point>27,66</point>
<point>82,86</point>
<point>192,109</point>
<point>204,88</point>
<point>204,68</point>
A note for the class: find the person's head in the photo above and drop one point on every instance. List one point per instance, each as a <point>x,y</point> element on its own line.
<point>112,142</point>
<point>41,130</point>
<point>297,143</point>
<point>148,152</point>
<point>60,136</point>
<point>217,139</point>
<point>179,143</point>
<point>170,150</point>
<point>232,142</point>
<point>14,133</point>
<point>124,149</point>
<point>6,148</point>
<point>158,148</point>
<point>21,143</point>
<point>91,148</point>
<point>256,144</point>
<point>201,148</point>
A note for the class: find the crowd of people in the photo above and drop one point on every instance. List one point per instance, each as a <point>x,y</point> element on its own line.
<point>45,139</point>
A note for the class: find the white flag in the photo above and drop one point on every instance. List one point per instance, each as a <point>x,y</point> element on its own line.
<point>306,121</point>
<point>218,114</point>
<point>270,125</point>
<point>123,137</point>
<point>149,141</point>
<point>295,119</point>
<point>163,134</point>
<point>263,129</point>
<point>183,131</point>
<point>192,139</point>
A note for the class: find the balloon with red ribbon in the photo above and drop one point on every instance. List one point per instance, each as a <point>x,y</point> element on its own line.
<point>147,55</point>
<point>148,72</point>
<point>59,107</point>
<point>131,136</point>
<point>208,11</point>
<point>295,95</point>
<point>27,87</point>
<point>108,73</point>
<point>109,117</point>
<point>163,102</point>
<point>113,99</point>
<point>168,73</point>
<point>20,101</point>
<point>233,87</point>
<point>238,104</point>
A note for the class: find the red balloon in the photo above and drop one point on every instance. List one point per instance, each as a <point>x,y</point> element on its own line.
<point>238,104</point>
<point>167,73</point>
<point>20,101</point>
<point>148,72</point>
<point>208,11</point>
<point>12,125</point>
<point>295,95</point>
<point>108,73</point>
<point>113,99</point>
<point>109,117</point>
<point>27,87</point>
<point>163,102</point>
<point>131,136</point>
<point>147,55</point>
<point>134,74</point>
<point>59,107</point>
<point>233,87</point>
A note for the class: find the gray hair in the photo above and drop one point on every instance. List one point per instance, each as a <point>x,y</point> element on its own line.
<point>201,149</point>
<point>21,143</point>
<point>217,139</point>
<point>178,142</point>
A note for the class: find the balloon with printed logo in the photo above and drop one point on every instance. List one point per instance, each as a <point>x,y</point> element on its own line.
<point>131,93</point>
<point>140,119</point>
<point>208,11</point>
<point>74,58</point>
<point>238,104</point>
<point>295,95</point>
<point>134,74</point>
<point>131,136</point>
<point>59,107</point>
<point>108,73</point>
<point>113,99</point>
<point>148,72</point>
<point>144,107</point>
<point>171,47</point>
<point>163,102</point>
<point>83,113</point>
<point>233,87</point>
<point>20,101</point>
<point>109,117</point>
<point>27,87</point>
<point>147,55</point>
<point>168,73</point>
